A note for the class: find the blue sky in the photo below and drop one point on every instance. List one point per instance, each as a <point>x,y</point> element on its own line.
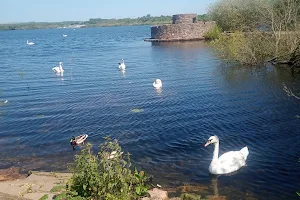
<point>72,10</point>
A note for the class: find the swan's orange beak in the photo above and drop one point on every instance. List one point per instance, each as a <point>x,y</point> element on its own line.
<point>207,143</point>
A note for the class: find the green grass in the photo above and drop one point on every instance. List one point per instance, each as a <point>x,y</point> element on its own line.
<point>45,197</point>
<point>58,188</point>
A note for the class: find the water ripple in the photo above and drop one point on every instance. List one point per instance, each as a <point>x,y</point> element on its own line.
<point>200,97</point>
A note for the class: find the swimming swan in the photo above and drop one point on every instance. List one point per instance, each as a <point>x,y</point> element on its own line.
<point>30,43</point>
<point>122,65</point>
<point>157,84</point>
<point>65,35</point>
<point>228,162</point>
<point>58,69</point>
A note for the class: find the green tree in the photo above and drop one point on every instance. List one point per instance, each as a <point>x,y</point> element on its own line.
<point>231,15</point>
<point>262,30</point>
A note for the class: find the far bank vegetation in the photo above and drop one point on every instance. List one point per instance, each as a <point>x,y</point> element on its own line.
<point>97,22</point>
<point>258,31</point>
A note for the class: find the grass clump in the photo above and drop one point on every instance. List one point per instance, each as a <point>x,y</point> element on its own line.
<point>106,175</point>
<point>44,197</point>
<point>58,188</point>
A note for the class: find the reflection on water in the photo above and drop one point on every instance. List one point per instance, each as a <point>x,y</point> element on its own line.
<point>214,183</point>
<point>210,191</point>
<point>164,130</point>
<point>123,73</point>
<point>158,91</point>
<point>181,45</point>
<point>60,76</point>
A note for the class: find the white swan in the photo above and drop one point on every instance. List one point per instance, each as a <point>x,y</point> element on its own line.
<point>157,84</point>
<point>30,43</point>
<point>58,69</point>
<point>65,35</point>
<point>122,65</point>
<point>228,162</point>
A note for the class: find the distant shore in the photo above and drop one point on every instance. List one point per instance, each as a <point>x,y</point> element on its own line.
<point>97,22</point>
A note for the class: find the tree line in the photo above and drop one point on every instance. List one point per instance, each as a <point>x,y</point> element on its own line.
<point>97,22</point>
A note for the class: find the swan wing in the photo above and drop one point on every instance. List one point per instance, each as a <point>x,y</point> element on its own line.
<point>55,69</point>
<point>122,66</point>
<point>228,162</point>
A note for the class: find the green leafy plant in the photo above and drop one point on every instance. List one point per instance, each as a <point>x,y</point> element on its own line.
<point>141,178</point>
<point>106,175</point>
<point>67,196</point>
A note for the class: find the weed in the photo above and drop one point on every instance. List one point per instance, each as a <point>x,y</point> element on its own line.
<point>103,176</point>
<point>58,188</point>
<point>45,197</point>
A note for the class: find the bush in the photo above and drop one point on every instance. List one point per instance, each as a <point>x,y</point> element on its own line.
<point>213,33</point>
<point>231,15</point>
<point>106,175</point>
<point>249,49</point>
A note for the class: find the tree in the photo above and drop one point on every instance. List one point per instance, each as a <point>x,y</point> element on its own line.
<point>271,26</point>
<point>281,17</point>
<point>232,15</point>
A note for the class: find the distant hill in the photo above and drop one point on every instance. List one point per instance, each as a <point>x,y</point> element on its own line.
<point>95,22</point>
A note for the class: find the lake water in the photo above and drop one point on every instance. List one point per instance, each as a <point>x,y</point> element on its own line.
<point>201,96</point>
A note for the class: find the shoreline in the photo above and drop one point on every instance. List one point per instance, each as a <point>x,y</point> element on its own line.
<point>35,185</point>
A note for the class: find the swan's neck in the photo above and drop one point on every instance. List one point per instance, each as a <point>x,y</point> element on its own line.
<point>216,152</point>
<point>60,67</point>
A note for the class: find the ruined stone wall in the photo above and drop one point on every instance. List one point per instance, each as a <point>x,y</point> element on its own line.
<point>184,18</point>
<point>181,31</point>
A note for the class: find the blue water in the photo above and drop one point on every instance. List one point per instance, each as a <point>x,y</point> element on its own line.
<point>201,96</point>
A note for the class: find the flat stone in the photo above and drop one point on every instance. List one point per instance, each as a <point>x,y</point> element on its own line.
<point>157,194</point>
<point>4,196</point>
<point>213,197</point>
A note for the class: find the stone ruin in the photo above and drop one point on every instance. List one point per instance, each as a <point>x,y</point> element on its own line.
<point>184,27</point>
